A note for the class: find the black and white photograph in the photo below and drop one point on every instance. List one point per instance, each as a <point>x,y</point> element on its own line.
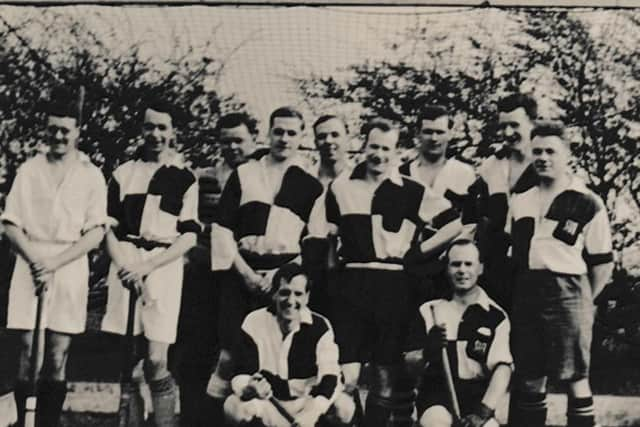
<point>331,214</point>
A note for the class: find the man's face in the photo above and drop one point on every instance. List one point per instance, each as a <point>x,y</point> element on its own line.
<point>464,267</point>
<point>157,131</point>
<point>331,140</point>
<point>291,298</point>
<point>380,150</point>
<point>237,143</point>
<point>550,156</point>
<point>285,135</point>
<point>62,135</point>
<point>514,128</point>
<point>434,137</point>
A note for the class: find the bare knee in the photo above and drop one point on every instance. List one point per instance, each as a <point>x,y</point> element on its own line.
<point>155,364</point>
<point>383,379</point>
<point>436,416</point>
<point>224,366</point>
<point>351,374</point>
<point>580,388</point>
<point>24,357</point>
<point>56,354</point>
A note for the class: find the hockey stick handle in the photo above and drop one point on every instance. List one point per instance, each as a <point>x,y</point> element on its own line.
<point>283,411</point>
<point>34,362</point>
<point>446,367</point>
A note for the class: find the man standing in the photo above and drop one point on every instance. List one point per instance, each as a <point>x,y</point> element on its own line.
<point>153,202</point>
<point>475,332</point>
<point>307,385</point>
<point>378,216</point>
<point>562,248</point>
<point>197,331</point>
<point>447,177</point>
<point>264,211</point>
<point>502,175</point>
<point>55,213</point>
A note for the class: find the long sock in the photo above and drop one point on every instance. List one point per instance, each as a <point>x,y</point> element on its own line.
<point>20,392</point>
<point>358,415</point>
<point>402,412</point>
<point>163,395</point>
<point>531,410</point>
<point>218,390</point>
<point>580,412</point>
<point>214,411</point>
<point>51,396</point>
<point>377,411</point>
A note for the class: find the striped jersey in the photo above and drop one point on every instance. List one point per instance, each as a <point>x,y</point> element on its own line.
<point>154,201</point>
<point>261,219</point>
<point>452,181</point>
<point>302,363</point>
<point>477,337</point>
<point>571,235</point>
<point>381,223</point>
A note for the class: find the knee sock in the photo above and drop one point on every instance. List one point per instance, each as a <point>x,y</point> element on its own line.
<point>377,411</point>
<point>402,412</point>
<point>218,390</point>
<point>51,395</point>
<point>358,415</point>
<point>20,392</point>
<point>530,410</point>
<point>163,396</point>
<point>580,412</point>
<point>135,407</point>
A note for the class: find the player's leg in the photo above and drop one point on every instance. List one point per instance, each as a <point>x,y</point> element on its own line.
<point>161,383</point>
<point>22,386</point>
<point>391,394</point>
<point>529,345</point>
<point>233,306</point>
<point>572,332</point>
<point>52,387</point>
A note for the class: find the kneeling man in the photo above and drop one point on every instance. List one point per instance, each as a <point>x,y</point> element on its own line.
<point>475,333</point>
<point>288,358</point>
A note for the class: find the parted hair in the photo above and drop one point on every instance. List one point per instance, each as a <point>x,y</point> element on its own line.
<point>286,112</point>
<point>519,100</point>
<point>433,112</point>
<point>548,128</point>
<point>287,272</point>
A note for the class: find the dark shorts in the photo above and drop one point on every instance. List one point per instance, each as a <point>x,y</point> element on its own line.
<point>552,325</point>
<point>370,316</point>
<point>235,303</point>
<point>433,392</point>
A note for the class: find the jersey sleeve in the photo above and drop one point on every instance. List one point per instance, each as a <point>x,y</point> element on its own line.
<point>224,247</point>
<point>96,215</point>
<point>188,220</point>
<point>598,246</point>
<point>15,203</point>
<point>436,210</point>
<point>500,352</point>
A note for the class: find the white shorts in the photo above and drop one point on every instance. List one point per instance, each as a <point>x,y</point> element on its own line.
<point>65,308</point>
<point>158,307</point>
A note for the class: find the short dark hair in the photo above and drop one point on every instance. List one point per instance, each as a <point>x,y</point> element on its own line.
<point>548,128</point>
<point>383,124</point>
<point>518,100</point>
<point>461,242</point>
<point>233,120</point>
<point>160,105</point>
<point>326,118</point>
<point>287,272</point>
<point>433,112</point>
<point>64,102</point>
<point>286,112</point>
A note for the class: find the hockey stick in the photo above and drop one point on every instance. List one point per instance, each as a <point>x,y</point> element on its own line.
<point>128,359</point>
<point>37,347</point>
<point>283,411</point>
<point>446,367</point>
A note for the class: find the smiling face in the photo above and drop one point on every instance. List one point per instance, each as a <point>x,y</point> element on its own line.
<point>284,137</point>
<point>380,150</point>
<point>464,267</point>
<point>514,128</point>
<point>157,132</point>
<point>434,137</point>
<point>237,143</point>
<point>291,298</point>
<point>62,135</point>
<point>550,156</point>
<point>331,140</point>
